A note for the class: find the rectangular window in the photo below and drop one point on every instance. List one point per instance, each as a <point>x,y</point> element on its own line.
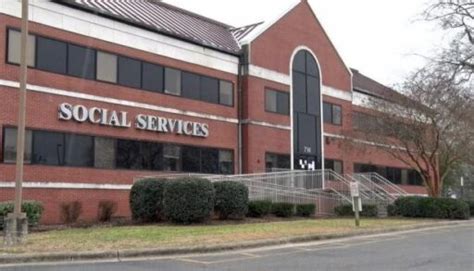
<point>226,162</point>
<point>104,153</point>
<point>106,67</point>
<point>171,158</point>
<point>313,97</point>
<point>9,145</point>
<point>226,93</point>
<point>277,162</point>
<point>190,85</point>
<point>299,89</point>
<point>48,148</point>
<point>335,165</point>
<point>209,89</point>
<point>277,102</point>
<point>129,72</point>
<point>152,77</point>
<point>129,155</point>
<point>81,62</point>
<point>210,161</point>
<point>332,113</point>
<point>79,151</point>
<point>51,55</point>
<point>191,159</point>
<point>172,81</point>
<point>14,48</point>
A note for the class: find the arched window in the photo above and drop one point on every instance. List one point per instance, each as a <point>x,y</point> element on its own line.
<point>306,112</point>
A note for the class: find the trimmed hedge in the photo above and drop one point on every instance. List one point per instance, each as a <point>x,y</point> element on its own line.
<point>283,209</point>
<point>471,207</point>
<point>232,199</point>
<point>146,200</point>
<point>305,210</point>
<point>368,210</point>
<point>259,208</point>
<point>188,200</point>
<point>33,210</point>
<point>392,210</point>
<point>443,208</point>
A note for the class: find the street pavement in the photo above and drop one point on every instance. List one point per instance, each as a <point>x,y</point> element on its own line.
<point>446,248</point>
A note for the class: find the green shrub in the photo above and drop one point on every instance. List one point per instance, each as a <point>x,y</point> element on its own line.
<point>106,210</point>
<point>283,209</point>
<point>305,210</point>
<point>188,200</point>
<point>146,200</point>
<point>471,206</point>
<point>259,208</point>
<point>232,200</point>
<point>368,210</point>
<point>392,210</point>
<point>425,207</point>
<point>33,210</point>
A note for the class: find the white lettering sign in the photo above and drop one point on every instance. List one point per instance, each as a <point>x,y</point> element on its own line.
<point>105,117</point>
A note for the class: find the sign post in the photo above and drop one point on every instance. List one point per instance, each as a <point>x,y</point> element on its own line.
<point>356,202</point>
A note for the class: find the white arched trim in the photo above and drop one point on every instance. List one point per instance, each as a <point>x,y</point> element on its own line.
<point>295,51</point>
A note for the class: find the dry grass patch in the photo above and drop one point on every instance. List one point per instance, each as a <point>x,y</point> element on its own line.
<point>162,236</point>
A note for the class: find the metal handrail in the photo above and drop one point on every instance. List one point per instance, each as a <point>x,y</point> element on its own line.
<point>384,181</point>
<point>389,196</point>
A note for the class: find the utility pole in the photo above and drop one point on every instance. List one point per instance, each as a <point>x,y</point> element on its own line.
<point>16,224</point>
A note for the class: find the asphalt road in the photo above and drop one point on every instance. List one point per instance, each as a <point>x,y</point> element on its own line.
<point>444,249</point>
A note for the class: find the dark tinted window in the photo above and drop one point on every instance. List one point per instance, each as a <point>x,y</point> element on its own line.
<point>104,153</point>
<point>277,162</point>
<point>327,112</point>
<point>48,148</point>
<point>299,89</point>
<point>190,85</point>
<point>209,161</point>
<point>209,89</point>
<point>299,63</point>
<point>128,154</point>
<point>81,62</point>
<point>311,65</point>
<point>129,72</point>
<point>51,55</point>
<point>191,159</point>
<point>152,77</point>
<point>312,85</point>
<point>172,158</point>
<point>283,103</point>
<point>9,145</point>
<point>173,81</point>
<point>79,151</point>
<point>306,134</point>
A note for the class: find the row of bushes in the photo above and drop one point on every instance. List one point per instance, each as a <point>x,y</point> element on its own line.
<point>189,200</point>
<point>263,208</point>
<point>33,210</point>
<point>368,210</point>
<point>186,200</point>
<point>443,208</point>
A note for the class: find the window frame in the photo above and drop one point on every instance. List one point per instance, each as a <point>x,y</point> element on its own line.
<point>332,106</point>
<point>277,94</point>
<point>96,79</point>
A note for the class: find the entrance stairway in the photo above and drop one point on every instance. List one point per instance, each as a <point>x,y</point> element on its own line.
<point>326,188</point>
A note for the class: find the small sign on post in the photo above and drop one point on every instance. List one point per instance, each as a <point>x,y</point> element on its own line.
<point>356,202</point>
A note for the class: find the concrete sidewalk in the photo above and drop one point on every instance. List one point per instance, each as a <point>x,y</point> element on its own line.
<point>119,255</point>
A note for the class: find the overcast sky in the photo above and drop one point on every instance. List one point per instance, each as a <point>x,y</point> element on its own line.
<point>381,38</point>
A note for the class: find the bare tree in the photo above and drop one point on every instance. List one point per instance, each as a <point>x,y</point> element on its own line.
<point>456,17</point>
<point>430,128</point>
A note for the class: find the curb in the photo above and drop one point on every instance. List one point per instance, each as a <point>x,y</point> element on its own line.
<point>119,255</point>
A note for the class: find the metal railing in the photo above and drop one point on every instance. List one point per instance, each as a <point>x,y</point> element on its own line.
<point>297,187</point>
<point>378,180</point>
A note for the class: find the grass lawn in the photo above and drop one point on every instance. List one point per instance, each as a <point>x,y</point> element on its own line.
<point>163,236</point>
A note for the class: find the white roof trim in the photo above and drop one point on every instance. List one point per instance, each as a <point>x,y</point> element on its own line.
<point>267,24</point>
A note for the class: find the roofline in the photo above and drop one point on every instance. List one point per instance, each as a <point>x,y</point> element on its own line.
<point>151,29</point>
<point>256,34</point>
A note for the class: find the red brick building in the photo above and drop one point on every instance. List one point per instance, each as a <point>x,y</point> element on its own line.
<point>118,91</point>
